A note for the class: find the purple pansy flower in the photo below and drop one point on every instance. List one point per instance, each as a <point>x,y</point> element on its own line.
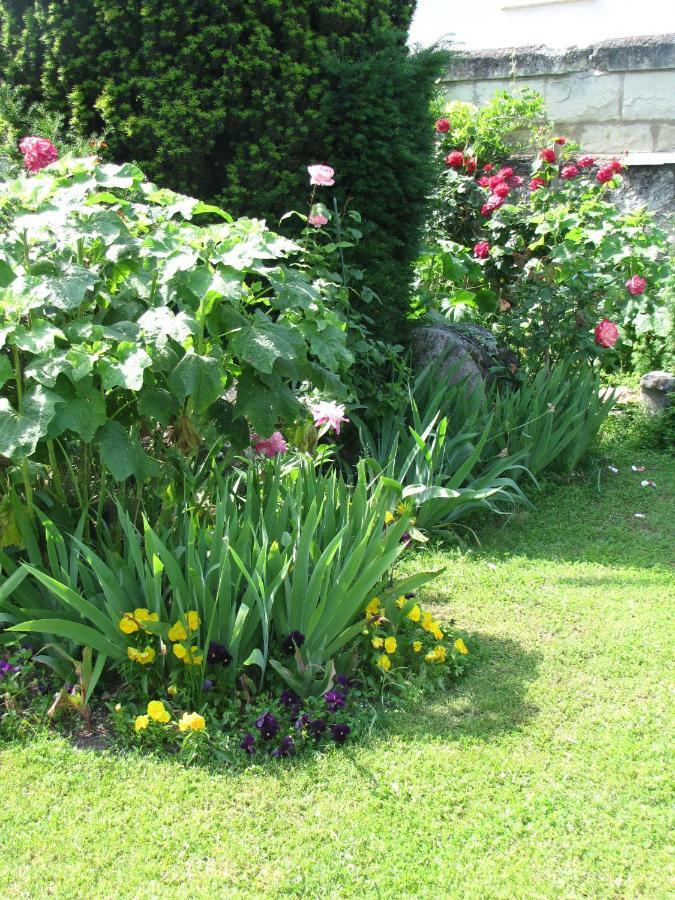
<point>286,748</point>
<point>334,700</point>
<point>248,743</point>
<point>208,684</point>
<point>340,732</point>
<point>290,700</point>
<point>7,668</point>
<point>218,654</point>
<point>316,728</point>
<point>294,640</point>
<point>267,725</point>
<point>302,721</point>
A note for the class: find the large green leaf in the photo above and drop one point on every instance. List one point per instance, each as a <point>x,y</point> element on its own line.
<point>262,342</point>
<point>20,432</point>
<point>67,291</point>
<point>83,410</point>
<point>197,377</point>
<point>123,455</point>
<point>127,369</point>
<point>73,631</point>
<point>38,338</point>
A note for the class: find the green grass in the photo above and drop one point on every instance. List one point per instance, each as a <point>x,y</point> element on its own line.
<point>544,773</point>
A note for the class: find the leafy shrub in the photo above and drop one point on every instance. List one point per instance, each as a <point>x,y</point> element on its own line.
<point>229,102</point>
<point>125,323</point>
<point>551,263</point>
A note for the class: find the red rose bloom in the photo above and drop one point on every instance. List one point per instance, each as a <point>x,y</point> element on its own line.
<point>492,204</point>
<point>488,167</point>
<point>481,250</point>
<point>605,173</point>
<point>615,165</point>
<point>569,171</point>
<point>560,141</point>
<point>483,181</point>
<point>505,173</point>
<point>455,159</point>
<point>636,285</point>
<point>547,154</point>
<point>470,165</point>
<point>537,183</point>
<point>442,126</point>
<point>586,162</point>
<point>501,190</point>
<point>606,333</point>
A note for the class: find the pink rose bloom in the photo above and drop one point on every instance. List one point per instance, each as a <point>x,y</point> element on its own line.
<point>481,250</point>
<point>455,159</point>
<point>483,181</point>
<point>325,412</point>
<point>492,204</point>
<point>615,165</point>
<point>488,167</point>
<point>569,171</point>
<point>560,141</point>
<point>604,174</point>
<point>586,162</point>
<point>547,154</point>
<point>37,153</point>
<point>505,173</point>
<point>516,180</point>
<point>494,180</point>
<point>501,190</point>
<point>470,165</point>
<point>317,220</point>
<point>537,183</point>
<point>271,446</point>
<point>636,285</point>
<point>442,126</point>
<point>606,333</point>
<point>321,176</point>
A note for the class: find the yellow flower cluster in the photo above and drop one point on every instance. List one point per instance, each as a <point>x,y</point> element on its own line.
<point>142,657</point>
<point>135,621</point>
<point>192,722</point>
<point>431,625</point>
<point>190,655</point>
<point>157,712</point>
<point>437,655</point>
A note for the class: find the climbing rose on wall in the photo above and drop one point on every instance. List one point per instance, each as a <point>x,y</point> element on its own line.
<point>37,153</point>
<point>570,171</point>
<point>606,333</point>
<point>548,155</point>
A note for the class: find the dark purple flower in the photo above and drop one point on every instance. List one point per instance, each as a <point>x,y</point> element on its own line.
<point>7,668</point>
<point>290,700</point>
<point>248,743</point>
<point>334,700</point>
<point>316,728</point>
<point>405,538</point>
<point>208,684</point>
<point>344,681</point>
<point>42,688</point>
<point>217,654</point>
<point>302,721</point>
<point>267,725</point>
<point>340,732</point>
<point>294,640</point>
<point>286,748</point>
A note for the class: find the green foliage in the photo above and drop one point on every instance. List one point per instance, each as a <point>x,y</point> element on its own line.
<point>125,323</point>
<point>232,101</point>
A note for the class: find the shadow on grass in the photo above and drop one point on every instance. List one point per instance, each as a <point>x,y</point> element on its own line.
<point>488,700</point>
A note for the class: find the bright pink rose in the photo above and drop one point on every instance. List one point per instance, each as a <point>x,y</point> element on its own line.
<point>537,183</point>
<point>326,412</point>
<point>488,167</point>
<point>271,446</point>
<point>616,165</point>
<point>604,174</point>
<point>606,333</point>
<point>483,181</point>
<point>494,180</point>
<point>636,285</point>
<point>37,153</point>
<point>569,171</point>
<point>547,154</point>
<point>442,126</point>
<point>481,250</point>
<point>470,165</point>
<point>516,180</point>
<point>501,190</point>
<point>492,204</point>
<point>560,141</point>
<point>455,159</point>
<point>317,220</point>
<point>321,176</point>
<point>505,173</point>
<point>586,162</point>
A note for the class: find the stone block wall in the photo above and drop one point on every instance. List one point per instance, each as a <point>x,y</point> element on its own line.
<point>614,98</point>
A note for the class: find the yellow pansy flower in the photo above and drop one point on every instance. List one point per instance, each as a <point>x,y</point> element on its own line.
<point>377,643</point>
<point>158,712</point>
<point>193,620</point>
<point>427,621</point>
<point>437,633</point>
<point>177,632</point>
<point>179,651</point>
<point>384,663</point>
<point>373,607</point>
<point>390,645</point>
<point>144,615</point>
<point>141,722</point>
<point>192,722</point>
<point>401,509</point>
<point>172,690</point>
<point>415,614</point>
<point>193,656</point>
<point>128,624</point>
<point>461,647</point>
<point>400,602</point>
<point>417,646</point>
<point>145,657</point>
<point>388,517</point>
<point>438,654</point>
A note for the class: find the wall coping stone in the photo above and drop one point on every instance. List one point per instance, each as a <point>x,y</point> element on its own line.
<point>651,52</point>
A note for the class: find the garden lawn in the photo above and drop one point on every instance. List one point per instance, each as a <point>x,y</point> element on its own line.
<point>544,773</point>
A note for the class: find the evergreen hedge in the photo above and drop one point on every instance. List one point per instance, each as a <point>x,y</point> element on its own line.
<point>231,101</point>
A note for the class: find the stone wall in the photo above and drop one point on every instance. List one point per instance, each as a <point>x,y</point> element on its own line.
<point>615,97</point>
